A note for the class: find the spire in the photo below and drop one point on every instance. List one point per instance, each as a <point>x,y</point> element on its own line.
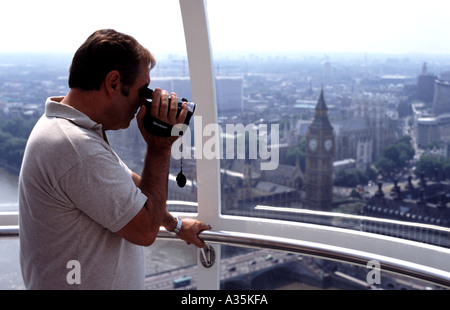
<point>321,114</point>
<point>424,68</point>
<point>321,105</point>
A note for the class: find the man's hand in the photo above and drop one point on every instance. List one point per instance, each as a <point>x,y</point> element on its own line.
<point>190,229</point>
<point>161,109</point>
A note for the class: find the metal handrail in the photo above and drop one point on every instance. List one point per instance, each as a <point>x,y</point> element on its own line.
<point>9,231</point>
<point>425,273</point>
<point>421,272</point>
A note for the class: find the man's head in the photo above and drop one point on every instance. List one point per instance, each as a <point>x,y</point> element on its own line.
<point>106,50</point>
<point>107,73</point>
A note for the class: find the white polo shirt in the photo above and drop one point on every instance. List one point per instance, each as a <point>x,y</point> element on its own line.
<point>74,194</point>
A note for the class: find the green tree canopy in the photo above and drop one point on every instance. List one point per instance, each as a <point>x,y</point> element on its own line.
<point>394,158</point>
<point>428,164</point>
<point>13,139</point>
<point>297,152</point>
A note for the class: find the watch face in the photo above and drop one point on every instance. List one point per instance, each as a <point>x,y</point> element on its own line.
<point>328,144</point>
<point>312,144</point>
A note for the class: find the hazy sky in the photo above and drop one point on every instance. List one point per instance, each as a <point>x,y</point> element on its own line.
<point>389,26</point>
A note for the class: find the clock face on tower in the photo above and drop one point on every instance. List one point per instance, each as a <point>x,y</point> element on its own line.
<point>312,144</point>
<point>328,144</point>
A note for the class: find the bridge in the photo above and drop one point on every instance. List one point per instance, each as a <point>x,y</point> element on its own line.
<point>268,269</point>
<point>237,269</point>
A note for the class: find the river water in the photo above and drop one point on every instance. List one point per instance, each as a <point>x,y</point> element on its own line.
<point>10,276</point>
<point>8,191</point>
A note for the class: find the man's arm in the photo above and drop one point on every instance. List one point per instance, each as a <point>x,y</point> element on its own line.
<point>190,227</point>
<point>144,227</point>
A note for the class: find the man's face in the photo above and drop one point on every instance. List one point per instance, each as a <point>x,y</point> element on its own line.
<point>128,103</point>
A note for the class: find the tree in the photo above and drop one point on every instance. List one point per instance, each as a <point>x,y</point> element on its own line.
<point>385,166</point>
<point>371,174</point>
<point>429,164</point>
<point>296,153</point>
<point>406,148</point>
<point>355,194</point>
<point>350,178</point>
<point>13,139</point>
<point>394,158</point>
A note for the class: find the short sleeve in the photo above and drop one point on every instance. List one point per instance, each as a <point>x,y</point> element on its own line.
<point>102,188</point>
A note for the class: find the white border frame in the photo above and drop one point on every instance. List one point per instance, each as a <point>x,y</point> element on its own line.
<point>407,253</point>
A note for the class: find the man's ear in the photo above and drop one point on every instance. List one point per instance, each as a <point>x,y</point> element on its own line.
<point>112,81</point>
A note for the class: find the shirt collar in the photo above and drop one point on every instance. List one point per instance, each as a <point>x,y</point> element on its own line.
<point>54,108</point>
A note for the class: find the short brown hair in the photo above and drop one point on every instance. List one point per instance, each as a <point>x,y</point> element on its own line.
<point>106,50</point>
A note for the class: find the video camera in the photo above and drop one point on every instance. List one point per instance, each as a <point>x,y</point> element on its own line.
<point>156,126</point>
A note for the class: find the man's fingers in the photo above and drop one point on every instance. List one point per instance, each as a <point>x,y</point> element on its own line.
<point>171,115</point>
<point>162,115</point>
<point>154,110</point>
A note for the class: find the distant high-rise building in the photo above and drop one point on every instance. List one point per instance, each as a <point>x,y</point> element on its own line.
<point>229,93</point>
<point>427,131</point>
<point>441,99</point>
<point>425,85</point>
<point>319,159</point>
<point>445,76</point>
<point>229,90</point>
<point>180,85</point>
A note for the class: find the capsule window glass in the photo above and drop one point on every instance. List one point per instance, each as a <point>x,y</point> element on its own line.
<point>320,115</point>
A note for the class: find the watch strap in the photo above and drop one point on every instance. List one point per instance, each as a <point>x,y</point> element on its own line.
<point>178,227</point>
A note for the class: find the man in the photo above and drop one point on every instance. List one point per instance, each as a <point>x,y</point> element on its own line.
<point>83,214</point>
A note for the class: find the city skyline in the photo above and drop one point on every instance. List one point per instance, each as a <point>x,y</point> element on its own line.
<point>290,26</point>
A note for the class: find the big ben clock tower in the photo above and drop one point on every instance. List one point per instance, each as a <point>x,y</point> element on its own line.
<point>319,160</point>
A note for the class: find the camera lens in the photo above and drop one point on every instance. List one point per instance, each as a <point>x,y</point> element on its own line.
<point>191,107</point>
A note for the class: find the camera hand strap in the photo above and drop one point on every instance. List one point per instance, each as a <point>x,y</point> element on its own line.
<point>181,179</point>
<point>158,127</point>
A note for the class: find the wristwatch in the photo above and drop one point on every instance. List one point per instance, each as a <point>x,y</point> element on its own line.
<point>177,228</point>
